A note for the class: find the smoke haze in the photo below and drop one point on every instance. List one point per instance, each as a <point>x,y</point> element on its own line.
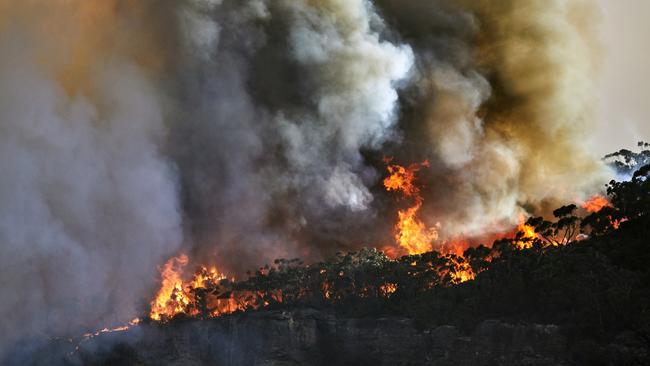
<point>624,85</point>
<point>242,131</point>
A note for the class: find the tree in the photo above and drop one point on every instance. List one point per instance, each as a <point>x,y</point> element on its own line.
<point>626,162</point>
<point>561,232</point>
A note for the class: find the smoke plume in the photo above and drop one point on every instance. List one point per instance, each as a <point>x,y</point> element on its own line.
<point>241,131</point>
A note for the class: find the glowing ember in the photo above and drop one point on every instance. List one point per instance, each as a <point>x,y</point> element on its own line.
<point>596,203</point>
<point>387,289</point>
<point>411,233</point>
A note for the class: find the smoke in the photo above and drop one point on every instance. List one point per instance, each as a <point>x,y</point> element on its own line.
<point>504,98</point>
<point>623,88</point>
<point>242,131</point>
<point>270,154</point>
<point>89,204</point>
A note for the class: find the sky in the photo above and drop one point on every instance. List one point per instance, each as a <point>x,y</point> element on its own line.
<point>624,85</point>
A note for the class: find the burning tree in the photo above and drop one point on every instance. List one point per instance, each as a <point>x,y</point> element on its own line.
<point>411,234</point>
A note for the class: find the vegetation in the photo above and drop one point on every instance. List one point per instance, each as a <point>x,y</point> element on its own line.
<point>589,275</point>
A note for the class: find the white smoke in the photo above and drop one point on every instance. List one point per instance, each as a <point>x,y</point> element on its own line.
<point>354,76</point>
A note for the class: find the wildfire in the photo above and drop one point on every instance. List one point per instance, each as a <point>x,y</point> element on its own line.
<point>596,203</point>
<point>525,235</point>
<point>171,298</point>
<point>387,289</point>
<point>209,293</point>
<point>411,233</point>
<point>121,328</point>
<point>455,246</point>
<point>192,297</point>
<point>403,178</point>
<point>462,272</point>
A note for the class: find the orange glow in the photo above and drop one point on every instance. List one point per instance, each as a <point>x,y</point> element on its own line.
<point>326,290</point>
<point>527,236</point>
<point>387,289</point>
<point>596,203</point>
<point>191,298</point>
<point>411,233</point>
<point>88,336</point>
<point>402,178</point>
<point>456,247</point>
<point>171,298</point>
<point>462,273</point>
<point>122,328</point>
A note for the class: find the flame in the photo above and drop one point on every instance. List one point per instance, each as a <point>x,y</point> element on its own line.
<point>526,237</point>
<point>455,246</point>
<point>387,289</point>
<point>206,294</point>
<point>596,203</point>
<point>121,328</point>
<point>403,178</point>
<point>462,272</point>
<point>171,298</point>
<point>411,233</point>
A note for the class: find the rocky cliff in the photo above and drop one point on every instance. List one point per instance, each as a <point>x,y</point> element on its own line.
<point>309,337</point>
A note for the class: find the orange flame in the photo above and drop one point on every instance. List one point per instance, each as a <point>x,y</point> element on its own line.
<point>121,328</point>
<point>411,233</point>
<point>529,235</point>
<point>403,178</point>
<point>171,298</point>
<point>596,203</point>
<point>204,295</point>
<point>462,272</point>
<point>387,289</point>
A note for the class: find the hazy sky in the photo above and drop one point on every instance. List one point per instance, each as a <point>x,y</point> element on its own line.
<point>624,108</point>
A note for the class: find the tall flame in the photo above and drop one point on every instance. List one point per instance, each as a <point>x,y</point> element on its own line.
<point>411,233</point>
<point>170,289</point>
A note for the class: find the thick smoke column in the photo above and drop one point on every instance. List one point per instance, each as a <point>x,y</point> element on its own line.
<point>88,203</point>
<point>270,152</point>
<point>240,131</point>
<point>503,93</point>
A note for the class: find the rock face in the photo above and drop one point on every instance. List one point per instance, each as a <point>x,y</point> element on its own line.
<point>309,337</point>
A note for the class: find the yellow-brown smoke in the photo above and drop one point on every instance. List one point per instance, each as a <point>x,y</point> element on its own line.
<point>505,93</point>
